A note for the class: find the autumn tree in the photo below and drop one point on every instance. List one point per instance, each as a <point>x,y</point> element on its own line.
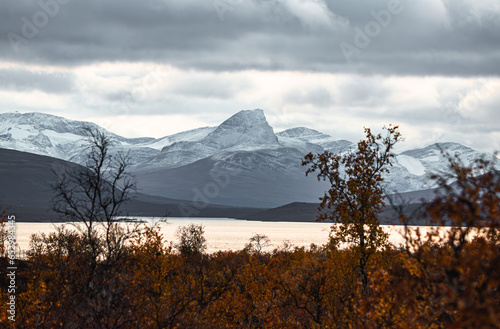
<point>160,291</point>
<point>356,197</point>
<point>462,271</point>
<point>449,276</point>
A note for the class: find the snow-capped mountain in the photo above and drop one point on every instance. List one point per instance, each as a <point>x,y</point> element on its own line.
<point>246,130</point>
<point>185,136</point>
<point>411,170</point>
<point>41,133</point>
<point>57,137</point>
<point>54,136</point>
<point>310,140</point>
<point>240,162</point>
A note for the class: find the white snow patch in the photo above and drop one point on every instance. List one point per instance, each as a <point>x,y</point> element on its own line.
<point>21,132</point>
<point>253,147</point>
<point>411,164</point>
<point>62,138</point>
<point>194,135</point>
<point>432,158</point>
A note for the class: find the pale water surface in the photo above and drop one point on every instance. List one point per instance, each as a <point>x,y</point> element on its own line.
<point>229,234</point>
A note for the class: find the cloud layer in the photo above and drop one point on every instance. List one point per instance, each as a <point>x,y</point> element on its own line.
<point>394,36</point>
<point>430,65</point>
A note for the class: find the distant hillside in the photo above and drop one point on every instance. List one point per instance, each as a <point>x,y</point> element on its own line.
<point>292,212</point>
<point>308,212</point>
<point>25,192</point>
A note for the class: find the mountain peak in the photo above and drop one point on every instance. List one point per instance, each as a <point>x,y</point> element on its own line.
<point>435,150</point>
<point>246,127</point>
<point>36,122</point>
<point>299,132</point>
<point>247,116</point>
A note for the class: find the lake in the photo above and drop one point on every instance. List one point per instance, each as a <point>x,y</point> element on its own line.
<point>229,234</point>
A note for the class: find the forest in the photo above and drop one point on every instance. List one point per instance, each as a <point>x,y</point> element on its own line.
<point>109,275</point>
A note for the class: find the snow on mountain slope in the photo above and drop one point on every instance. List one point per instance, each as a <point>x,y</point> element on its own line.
<point>54,136</point>
<point>410,170</point>
<point>39,122</point>
<point>247,130</point>
<point>307,135</point>
<point>193,135</point>
<point>414,166</point>
<point>42,134</point>
<point>432,153</point>
<point>434,161</point>
<point>310,140</point>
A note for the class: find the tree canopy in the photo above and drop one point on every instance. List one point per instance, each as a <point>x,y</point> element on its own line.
<point>356,197</point>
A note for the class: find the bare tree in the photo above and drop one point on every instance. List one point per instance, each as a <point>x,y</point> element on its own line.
<point>192,241</point>
<point>93,195</point>
<point>257,243</point>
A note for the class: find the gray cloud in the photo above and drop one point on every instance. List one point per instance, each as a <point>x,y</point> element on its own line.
<point>209,87</point>
<point>426,37</point>
<point>363,92</point>
<point>318,96</point>
<point>25,80</point>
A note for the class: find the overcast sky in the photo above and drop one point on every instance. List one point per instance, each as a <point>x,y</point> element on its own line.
<point>153,68</point>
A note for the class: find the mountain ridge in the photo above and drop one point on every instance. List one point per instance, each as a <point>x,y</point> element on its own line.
<point>265,167</point>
